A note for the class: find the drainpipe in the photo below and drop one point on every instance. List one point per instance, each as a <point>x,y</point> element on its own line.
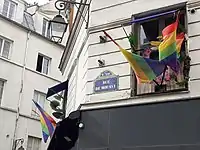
<point>21,91</point>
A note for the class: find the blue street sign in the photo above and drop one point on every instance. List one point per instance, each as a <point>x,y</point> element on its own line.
<point>106,82</point>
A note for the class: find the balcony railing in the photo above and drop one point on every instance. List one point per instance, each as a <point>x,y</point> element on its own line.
<point>170,84</point>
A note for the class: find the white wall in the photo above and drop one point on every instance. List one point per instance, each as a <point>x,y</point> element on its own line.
<point>19,10</point>
<point>126,9</point>
<point>115,57</point>
<point>11,71</point>
<point>7,126</point>
<point>104,13</point>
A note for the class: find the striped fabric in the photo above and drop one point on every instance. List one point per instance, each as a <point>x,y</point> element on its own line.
<point>47,122</point>
<point>145,69</point>
<point>167,48</point>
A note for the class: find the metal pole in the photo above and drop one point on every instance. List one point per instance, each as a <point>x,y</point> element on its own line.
<point>73,2</point>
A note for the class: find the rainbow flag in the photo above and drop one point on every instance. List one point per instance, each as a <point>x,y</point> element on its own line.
<point>145,69</point>
<point>167,48</point>
<point>47,122</point>
<point>179,41</point>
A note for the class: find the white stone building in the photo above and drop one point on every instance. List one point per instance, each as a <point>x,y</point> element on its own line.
<point>28,67</point>
<point>80,61</point>
<point>116,119</point>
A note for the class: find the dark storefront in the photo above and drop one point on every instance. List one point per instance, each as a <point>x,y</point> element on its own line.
<point>156,126</point>
<point>161,126</point>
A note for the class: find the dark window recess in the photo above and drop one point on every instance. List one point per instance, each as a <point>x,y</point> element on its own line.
<point>39,63</point>
<point>43,64</point>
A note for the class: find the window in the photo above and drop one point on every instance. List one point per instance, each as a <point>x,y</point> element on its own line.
<point>40,99</point>
<point>43,63</point>
<point>33,143</point>
<point>9,9</point>
<point>151,30</point>
<point>1,89</point>
<point>45,28</point>
<point>28,21</point>
<point>5,46</point>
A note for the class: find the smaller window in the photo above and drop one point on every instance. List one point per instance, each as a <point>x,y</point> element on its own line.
<point>5,46</point>
<point>40,99</point>
<point>9,9</point>
<point>33,143</point>
<point>43,63</point>
<point>2,82</point>
<point>45,29</point>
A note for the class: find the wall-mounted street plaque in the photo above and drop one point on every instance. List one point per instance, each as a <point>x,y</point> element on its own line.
<point>106,82</point>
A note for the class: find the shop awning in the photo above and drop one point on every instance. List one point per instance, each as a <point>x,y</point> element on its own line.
<point>58,88</point>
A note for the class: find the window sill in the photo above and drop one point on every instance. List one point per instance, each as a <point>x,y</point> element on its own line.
<point>15,111</point>
<point>178,91</point>
<point>140,100</point>
<point>42,74</point>
<point>19,65</point>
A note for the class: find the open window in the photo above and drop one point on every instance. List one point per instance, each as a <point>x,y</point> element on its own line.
<point>151,30</point>
<point>43,64</point>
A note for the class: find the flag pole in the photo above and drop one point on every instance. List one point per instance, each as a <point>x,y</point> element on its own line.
<point>156,82</point>
<point>163,75</point>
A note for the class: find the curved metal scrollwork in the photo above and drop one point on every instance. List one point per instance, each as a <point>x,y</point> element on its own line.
<point>60,5</point>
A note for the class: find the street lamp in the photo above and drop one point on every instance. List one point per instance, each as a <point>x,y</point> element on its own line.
<point>57,27</point>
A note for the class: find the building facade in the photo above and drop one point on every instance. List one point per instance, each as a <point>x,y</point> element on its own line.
<point>104,87</point>
<point>28,67</point>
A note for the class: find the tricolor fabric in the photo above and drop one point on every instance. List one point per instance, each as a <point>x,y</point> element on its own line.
<point>167,48</point>
<point>145,69</point>
<point>47,122</point>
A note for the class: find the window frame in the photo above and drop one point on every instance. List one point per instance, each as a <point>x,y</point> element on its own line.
<point>136,29</point>
<point>3,89</point>
<point>2,47</point>
<point>49,64</point>
<point>46,31</point>
<point>9,9</point>
<point>34,109</point>
<point>33,139</point>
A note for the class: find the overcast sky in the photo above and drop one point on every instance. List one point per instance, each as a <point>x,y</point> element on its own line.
<point>40,2</point>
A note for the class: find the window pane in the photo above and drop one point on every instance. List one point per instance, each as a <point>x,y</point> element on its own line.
<point>41,99</point>
<point>1,42</point>
<point>1,89</point>
<point>5,8</point>
<point>30,143</point>
<point>6,49</point>
<point>39,63</point>
<point>143,37</point>
<point>12,10</point>
<point>44,27</point>
<point>48,32</point>
<point>36,144</point>
<point>33,143</point>
<point>45,65</point>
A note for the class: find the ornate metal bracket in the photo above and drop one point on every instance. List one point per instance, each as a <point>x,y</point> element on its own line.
<point>62,5</point>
